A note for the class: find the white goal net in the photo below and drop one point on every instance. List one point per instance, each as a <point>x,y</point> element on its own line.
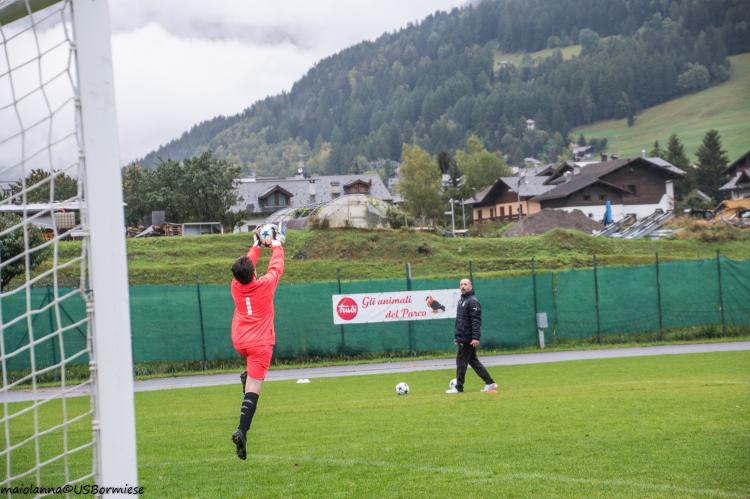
<point>67,418</point>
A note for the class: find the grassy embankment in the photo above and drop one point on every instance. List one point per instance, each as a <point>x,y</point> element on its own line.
<point>314,256</point>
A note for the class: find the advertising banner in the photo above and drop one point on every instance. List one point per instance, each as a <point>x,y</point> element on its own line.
<point>362,308</point>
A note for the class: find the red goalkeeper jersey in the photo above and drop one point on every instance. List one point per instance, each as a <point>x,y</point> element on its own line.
<point>252,324</point>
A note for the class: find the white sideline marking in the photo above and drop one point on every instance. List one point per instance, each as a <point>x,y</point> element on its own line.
<point>464,472</point>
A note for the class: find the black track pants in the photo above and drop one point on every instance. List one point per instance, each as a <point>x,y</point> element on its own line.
<point>467,356</point>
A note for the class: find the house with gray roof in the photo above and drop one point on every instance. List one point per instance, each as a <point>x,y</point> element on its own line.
<point>739,183</point>
<point>632,186</point>
<point>262,196</point>
<point>509,197</point>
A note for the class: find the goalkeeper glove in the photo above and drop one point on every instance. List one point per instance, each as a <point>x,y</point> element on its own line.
<point>279,236</point>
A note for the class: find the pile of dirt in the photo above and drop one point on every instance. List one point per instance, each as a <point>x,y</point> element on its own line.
<point>549,219</point>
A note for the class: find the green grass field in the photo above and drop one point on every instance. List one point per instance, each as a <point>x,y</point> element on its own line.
<point>670,426</point>
<point>725,107</point>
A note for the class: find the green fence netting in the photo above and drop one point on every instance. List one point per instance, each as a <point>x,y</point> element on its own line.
<point>42,327</point>
<point>192,323</point>
<point>735,287</point>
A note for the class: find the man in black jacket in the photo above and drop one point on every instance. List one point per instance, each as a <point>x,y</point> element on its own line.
<point>468,331</point>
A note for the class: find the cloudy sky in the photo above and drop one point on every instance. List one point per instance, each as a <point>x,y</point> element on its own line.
<point>177,63</point>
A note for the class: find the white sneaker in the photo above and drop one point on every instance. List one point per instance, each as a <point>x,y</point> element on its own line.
<point>452,390</point>
<point>489,388</point>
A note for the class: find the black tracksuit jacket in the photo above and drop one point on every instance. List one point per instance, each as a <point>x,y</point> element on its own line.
<point>468,318</point>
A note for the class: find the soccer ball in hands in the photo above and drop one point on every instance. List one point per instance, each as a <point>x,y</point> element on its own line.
<point>402,389</point>
<point>267,233</point>
<point>452,384</point>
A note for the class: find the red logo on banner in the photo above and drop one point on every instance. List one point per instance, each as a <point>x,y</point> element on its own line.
<point>347,309</point>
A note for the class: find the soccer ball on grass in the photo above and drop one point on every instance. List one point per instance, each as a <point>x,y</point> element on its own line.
<point>402,389</point>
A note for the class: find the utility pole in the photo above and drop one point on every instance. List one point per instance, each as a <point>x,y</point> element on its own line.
<point>521,178</point>
<point>453,218</point>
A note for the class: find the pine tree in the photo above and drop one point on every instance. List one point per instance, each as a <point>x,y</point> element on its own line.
<point>676,156</point>
<point>676,153</point>
<point>712,161</point>
<point>657,151</point>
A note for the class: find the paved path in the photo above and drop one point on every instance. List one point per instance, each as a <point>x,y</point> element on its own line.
<point>396,367</point>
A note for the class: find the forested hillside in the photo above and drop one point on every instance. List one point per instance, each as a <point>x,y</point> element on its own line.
<point>434,83</point>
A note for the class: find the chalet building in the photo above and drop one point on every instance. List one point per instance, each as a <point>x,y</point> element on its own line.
<point>262,196</point>
<point>581,152</point>
<point>739,171</point>
<point>636,186</point>
<point>508,198</point>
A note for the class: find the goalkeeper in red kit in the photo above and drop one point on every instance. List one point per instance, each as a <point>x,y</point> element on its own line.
<point>253,333</point>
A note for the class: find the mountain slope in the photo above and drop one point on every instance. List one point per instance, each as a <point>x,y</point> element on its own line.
<point>435,83</point>
<point>725,107</point>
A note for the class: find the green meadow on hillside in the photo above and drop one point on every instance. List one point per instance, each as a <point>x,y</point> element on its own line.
<point>725,107</point>
<point>516,57</point>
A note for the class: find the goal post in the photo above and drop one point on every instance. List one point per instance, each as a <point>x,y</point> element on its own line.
<point>112,363</point>
<point>49,49</point>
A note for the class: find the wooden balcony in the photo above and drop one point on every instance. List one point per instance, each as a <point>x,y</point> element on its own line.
<point>506,218</point>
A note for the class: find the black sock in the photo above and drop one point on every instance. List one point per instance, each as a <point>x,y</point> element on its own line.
<point>248,411</point>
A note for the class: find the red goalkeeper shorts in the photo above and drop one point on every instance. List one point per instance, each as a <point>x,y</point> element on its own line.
<point>258,360</point>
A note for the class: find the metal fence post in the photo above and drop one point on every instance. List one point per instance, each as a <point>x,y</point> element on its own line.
<point>533,284</point>
<point>410,325</point>
<point>200,316</point>
<point>471,273</point>
<point>658,297</point>
<point>596,292</point>
<point>49,298</point>
<point>721,295</point>
<point>342,346</point>
<point>555,323</point>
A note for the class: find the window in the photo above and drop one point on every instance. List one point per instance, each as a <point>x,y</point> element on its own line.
<point>502,211</point>
<point>586,197</point>
<point>479,211</point>
<point>357,188</point>
<point>492,212</point>
<point>601,197</point>
<point>632,189</point>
